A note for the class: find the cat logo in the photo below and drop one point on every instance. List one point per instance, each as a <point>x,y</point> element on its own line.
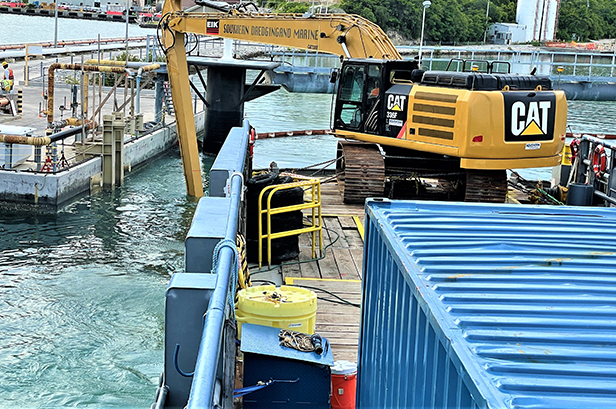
<point>396,102</point>
<point>211,26</point>
<point>529,116</point>
<point>530,120</point>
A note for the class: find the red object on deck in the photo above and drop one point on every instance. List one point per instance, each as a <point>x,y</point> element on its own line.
<point>344,385</point>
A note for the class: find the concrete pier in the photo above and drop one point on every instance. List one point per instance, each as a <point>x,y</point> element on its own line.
<point>25,187</point>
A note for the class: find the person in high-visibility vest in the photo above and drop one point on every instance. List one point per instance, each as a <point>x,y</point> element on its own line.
<point>6,85</point>
<point>8,75</point>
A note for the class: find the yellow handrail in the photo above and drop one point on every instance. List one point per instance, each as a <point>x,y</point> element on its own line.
<point>314,203</point>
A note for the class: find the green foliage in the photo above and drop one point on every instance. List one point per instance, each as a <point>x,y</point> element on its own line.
<point>72,80</point>
<point>583,20</point>
<point>283,6</point>
<point>122,57</point>
<point>159,58</point>
<point>456,21</point>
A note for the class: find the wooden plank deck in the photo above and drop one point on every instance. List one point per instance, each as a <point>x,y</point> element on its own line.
<point>337,322</point>
<point>338,272</point>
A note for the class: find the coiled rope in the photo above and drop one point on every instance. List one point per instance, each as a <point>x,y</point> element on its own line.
<point>234,269</point>
<point>300,341</point>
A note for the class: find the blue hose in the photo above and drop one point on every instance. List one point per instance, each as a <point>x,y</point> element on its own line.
<point>176,363</point>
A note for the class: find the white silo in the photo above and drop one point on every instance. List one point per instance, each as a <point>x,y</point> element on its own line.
<point>527,16</point>
<point>539,17</point>
<point>550,21</point>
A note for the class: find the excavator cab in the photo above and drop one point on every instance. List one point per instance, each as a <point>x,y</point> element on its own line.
<point>364,90</point>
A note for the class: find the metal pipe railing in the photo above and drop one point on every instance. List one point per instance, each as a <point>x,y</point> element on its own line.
<point>43,140</point>
<point>607,143</point>
<point>204,379</point>
<point>314,204</point>
<point>583,167</point>
<point>72,67</point>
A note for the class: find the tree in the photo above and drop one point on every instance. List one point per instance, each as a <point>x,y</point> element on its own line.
<point>579,20</point>
<point>450,21</point>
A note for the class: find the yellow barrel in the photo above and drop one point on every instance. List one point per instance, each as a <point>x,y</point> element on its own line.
<point>286,307</point>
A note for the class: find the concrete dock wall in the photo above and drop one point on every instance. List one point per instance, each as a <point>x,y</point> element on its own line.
<point>141,150</point>
<point>49,191</point>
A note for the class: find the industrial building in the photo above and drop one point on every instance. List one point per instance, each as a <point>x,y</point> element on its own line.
<point>537,20</point>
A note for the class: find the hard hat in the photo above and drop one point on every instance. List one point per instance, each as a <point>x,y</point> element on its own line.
<point>5,64</point>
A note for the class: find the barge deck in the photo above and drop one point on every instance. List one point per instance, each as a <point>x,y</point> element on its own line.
<point>338,273</point>
<point>339,270</point>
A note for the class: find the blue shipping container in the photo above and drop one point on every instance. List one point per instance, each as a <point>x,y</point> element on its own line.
<point>488,306</point>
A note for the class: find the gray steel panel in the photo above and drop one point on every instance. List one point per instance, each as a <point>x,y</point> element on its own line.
<point>207,229</point>
<point>186,301</point>
<point>230,159</point>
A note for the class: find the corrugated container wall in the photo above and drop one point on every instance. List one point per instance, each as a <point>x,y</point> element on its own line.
<point>488,306</point>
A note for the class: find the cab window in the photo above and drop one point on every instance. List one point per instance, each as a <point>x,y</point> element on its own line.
<point>351,94</point>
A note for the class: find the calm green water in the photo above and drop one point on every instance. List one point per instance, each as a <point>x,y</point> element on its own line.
<point>18,29</point>
<point>82,293</point>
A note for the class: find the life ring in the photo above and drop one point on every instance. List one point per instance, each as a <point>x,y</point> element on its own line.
<point>599,161</point>
<point>575,147</point>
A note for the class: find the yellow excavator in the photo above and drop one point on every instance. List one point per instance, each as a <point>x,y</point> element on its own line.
<point>464,128</point>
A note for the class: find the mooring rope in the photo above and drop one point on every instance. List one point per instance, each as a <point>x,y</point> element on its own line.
<point>234,269</point>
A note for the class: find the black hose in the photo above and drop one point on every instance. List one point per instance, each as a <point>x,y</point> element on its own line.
<point>340,299</point>
<point>58,136</point>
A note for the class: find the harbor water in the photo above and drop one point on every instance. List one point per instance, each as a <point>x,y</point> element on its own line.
<point>20,29</point>
<point>82,292</point>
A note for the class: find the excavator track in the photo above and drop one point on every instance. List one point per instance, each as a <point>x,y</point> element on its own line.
<point>486,186</point>
<point>360,170</point>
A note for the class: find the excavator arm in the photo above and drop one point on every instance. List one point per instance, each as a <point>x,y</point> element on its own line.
<point>340,34</point>
<point>177,70</point>
<point>347,35</point>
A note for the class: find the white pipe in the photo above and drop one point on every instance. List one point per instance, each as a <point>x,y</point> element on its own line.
<point>228,53</point>
<point>425,5</point>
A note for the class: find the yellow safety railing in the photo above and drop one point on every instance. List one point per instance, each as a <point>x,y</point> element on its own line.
<point>314,203</point>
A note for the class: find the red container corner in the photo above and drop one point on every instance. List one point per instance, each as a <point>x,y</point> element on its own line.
<point>344,385</point>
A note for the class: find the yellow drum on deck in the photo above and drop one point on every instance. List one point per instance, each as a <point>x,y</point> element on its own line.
<point>287,307</point>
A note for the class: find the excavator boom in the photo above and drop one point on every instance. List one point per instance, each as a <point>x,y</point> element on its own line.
<point>347,35</point>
